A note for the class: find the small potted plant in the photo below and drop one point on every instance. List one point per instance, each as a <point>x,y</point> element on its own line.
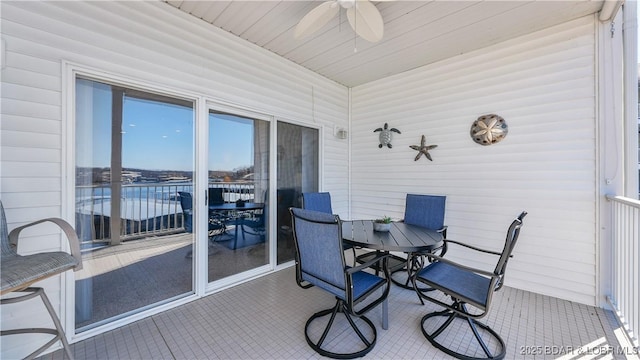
<point>382,224</point>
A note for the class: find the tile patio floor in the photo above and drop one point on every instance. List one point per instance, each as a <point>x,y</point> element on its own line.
<point>264,319</point>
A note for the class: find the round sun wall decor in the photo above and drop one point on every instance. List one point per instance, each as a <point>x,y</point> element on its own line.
<point>489,129</point>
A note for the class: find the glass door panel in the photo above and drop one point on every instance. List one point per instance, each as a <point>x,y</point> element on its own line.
<point>238,165</point>
<point>298,164</point>
<point>134,157</point>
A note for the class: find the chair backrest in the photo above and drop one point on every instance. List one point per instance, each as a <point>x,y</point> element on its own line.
<point>216,196</point>
<point>186,202</point>
<point>317,201</point>
<point>319,255</point>
<point>509,245</point>
<point>5,247</point>
<point>425,210</point>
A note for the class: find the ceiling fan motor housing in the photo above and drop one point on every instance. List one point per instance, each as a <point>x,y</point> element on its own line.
<point>346,4</point>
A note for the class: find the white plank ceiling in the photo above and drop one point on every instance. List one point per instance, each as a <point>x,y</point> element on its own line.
<point>416,32</point>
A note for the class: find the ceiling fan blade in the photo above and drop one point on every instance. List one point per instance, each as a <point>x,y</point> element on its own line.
<point>366,21</point>
<point>316,18</point>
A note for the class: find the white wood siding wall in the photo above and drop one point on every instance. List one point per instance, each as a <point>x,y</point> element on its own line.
<point>543,84</point>
<point>151,42</point>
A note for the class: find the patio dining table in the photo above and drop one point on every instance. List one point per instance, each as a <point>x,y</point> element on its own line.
<point>234,208</point>
<point>247,206</point>
<point>401,237</point>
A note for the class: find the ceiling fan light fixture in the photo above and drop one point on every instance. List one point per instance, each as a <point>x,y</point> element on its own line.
<point>346,4</point>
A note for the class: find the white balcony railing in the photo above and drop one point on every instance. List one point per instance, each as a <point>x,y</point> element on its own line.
<point>145,209</point>
<point>625,281</point>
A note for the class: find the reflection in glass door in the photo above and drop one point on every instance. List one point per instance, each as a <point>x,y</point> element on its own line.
<point>238,204</point>
<point>134,157</point>
<point>298,164</point>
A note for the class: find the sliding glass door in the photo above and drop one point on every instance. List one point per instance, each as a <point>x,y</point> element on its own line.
<point>134,157</point>
<point>140,199</point>
<point>238,188</point>
<point>298,172</point>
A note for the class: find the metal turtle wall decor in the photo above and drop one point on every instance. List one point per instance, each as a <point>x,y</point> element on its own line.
<point>385,135</point>
<point>489,129</point>
<point>423,149</point>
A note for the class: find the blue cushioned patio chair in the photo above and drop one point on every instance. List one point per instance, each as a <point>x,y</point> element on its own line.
<point>255,224</point>
<point>186,203</point>
<point>216,225</point>
<point>426,211</point>
<point>216,196</point>
<point>317,201</point>
<point>465,286</point>
<point>320,262</point>
<point>19,272</point>
<point>321,201</point>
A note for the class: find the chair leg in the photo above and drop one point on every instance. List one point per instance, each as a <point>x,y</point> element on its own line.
<point>318,345</point>
<point>58,332</point>
<point>473,326</point>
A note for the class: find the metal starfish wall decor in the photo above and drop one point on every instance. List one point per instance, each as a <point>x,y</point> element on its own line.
<point>423,149</point>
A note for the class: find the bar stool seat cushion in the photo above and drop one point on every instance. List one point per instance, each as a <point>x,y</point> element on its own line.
<point>20,270</point>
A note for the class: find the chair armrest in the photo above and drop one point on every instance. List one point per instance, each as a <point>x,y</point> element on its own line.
<point>367,264</point>
<point>74,243</point>
<point>474,247</point>
<point>443,231</point>
<point>460,266</point>
<point>387,281</point>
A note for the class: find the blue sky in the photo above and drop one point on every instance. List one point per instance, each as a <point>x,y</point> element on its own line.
<point>160,136</point>
<point>230,142</point>
<point>155,136</point>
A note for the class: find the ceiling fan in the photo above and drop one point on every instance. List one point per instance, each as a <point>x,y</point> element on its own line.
<point>363,16</point>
